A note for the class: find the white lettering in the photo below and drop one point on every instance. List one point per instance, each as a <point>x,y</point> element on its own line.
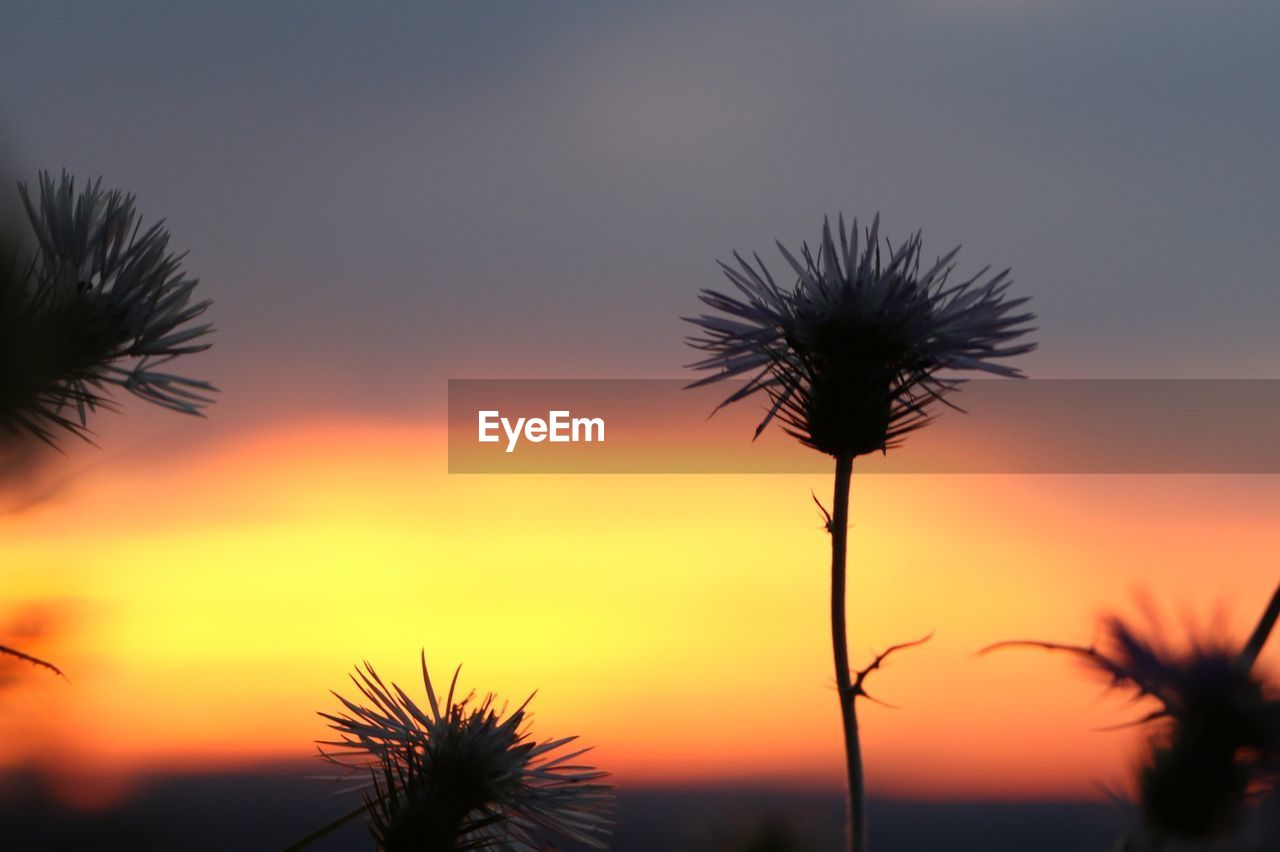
<point>513,435</point>
<point>593,427</point>
<point>560,427</point>
<point>487,424</point>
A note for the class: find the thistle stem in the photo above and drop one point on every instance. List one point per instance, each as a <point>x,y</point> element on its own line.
<point>857,839</point>
<point>1249,654</point>
<point>6,651</point>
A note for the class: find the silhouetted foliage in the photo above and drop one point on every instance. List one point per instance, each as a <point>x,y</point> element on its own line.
<point>854,353</point>
<point>1214,747</point>
<point>459,776</point>
<point>101,303</point>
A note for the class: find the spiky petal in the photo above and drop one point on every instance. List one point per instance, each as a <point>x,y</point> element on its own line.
<point>102,302</point>
<point>853,354</point>
<point>460,774</point>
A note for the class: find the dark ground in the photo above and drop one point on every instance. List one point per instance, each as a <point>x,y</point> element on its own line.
<point>204,813</point>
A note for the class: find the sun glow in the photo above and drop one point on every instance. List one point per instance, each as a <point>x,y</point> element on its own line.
<point>204,605</point>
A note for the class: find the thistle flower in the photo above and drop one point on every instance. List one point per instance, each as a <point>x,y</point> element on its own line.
<point>850,358</point>
<point>854,353</point>
<point>1215,743</point>
<point>459,775</point>
<point>102,303</point>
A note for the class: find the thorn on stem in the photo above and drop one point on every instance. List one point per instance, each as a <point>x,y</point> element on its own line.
<point>35,661</point>
<point>857,688</point>
<point>826,516</point>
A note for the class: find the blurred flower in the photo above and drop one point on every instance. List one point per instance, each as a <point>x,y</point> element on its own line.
<point>1215,746</point>
<point>102,303</point>
<point>460,776</point>
<point>850,357</point>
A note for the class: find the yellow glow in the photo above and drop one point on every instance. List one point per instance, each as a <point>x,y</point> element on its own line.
<point>679,623</point>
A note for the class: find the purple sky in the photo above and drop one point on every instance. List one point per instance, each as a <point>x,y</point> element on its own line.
<point>379,200</point>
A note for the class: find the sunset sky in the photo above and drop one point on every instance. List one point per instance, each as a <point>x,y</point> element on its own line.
<point>380,202</point>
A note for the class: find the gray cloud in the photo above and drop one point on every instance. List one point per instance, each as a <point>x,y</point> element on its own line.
<point>390,197</point>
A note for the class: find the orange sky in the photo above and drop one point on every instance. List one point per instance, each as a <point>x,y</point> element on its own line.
<point>203,605</point>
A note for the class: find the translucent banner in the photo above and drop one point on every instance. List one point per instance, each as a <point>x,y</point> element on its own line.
<point>1034,426</point>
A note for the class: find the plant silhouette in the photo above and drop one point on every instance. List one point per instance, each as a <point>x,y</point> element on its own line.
<point>1214,745</point>
<point>101,302</point>
<point>850,358</point>
<point>459,774</point>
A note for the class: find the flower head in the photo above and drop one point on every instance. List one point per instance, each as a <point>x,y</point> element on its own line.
<point>103,302</point>
<point>854,353</point>
<point>1215,742</point>
<point>459,775</point>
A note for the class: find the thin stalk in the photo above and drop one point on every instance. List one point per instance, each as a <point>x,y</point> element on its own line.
<point>1249,654</point>
<point>6,651</point>
<point>321,832</point>
<point>857,839</point>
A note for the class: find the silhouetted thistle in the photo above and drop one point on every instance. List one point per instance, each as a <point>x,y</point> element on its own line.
<point>1215,743</point>
<point>461,775</point>
<point>852,355</point>
<point>102,302</point>
<point>850,358</point>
